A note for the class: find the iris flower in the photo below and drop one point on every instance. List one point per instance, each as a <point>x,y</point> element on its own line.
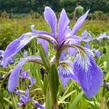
<point>83,69</point>
<point>24,99</point>
<point>25,75</point>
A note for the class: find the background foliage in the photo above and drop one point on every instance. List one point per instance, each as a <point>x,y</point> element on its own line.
<point>25,6</point>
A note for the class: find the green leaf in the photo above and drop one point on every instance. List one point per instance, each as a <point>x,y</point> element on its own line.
<point>76,100</point>
<point>53,81</point>
<point>44,57</point>
<point>7,100</point>
<point>48,100</point>
<point>66,96</point>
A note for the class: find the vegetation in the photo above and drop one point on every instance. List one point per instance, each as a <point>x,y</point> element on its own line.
<point>14,25</point>
<point>25,6</point>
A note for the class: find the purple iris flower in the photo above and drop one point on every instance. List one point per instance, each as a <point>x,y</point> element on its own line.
<point>25,75</point>
<point>24,99</point>
<point>63,36</point>
<point>83,69</point>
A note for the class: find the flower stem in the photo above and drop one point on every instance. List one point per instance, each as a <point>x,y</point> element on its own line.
<point>13,101</point>
<point>58,56</point>
<point>55,104</point>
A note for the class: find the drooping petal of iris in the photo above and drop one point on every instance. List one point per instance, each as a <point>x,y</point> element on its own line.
<point>66,72</point>
<point>14,77</point>
<point>16,46</point>
<point>89,74</point>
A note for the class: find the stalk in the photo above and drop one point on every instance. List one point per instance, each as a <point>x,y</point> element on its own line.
<point>13,102</point>
<point>55,104</point>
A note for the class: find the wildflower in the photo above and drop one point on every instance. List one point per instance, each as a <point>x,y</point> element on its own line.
<point>25,75</point>
<point>82,69</point>
<point>63,35</point>
<point>24,99</point>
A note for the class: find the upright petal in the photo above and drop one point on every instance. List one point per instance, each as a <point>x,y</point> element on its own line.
<point>16,45</point>
<point>79,23</point>
<point>90,80</point>
<point>14,77</point>
<point>51,19</point>
<point>62,25</point>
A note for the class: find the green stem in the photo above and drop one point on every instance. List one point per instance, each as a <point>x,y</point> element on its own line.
<point>58,56</point>
<point>13,101</point>
<point>55,104</point>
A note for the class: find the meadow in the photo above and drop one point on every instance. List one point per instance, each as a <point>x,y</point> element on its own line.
<point>69,97</point>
